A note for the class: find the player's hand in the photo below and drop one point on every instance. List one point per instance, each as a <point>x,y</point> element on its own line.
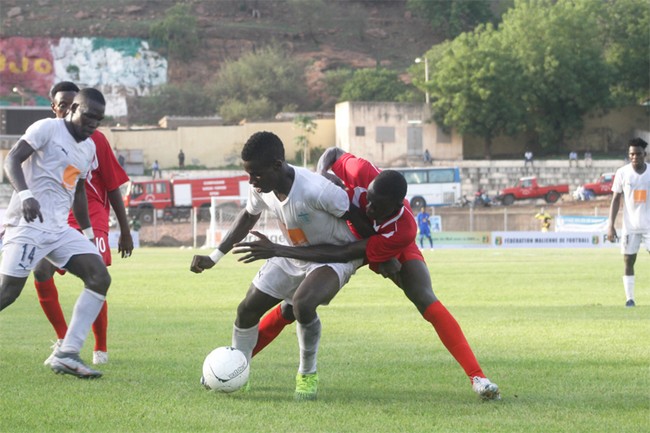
<point>390,269</point>
<point>32,210</point>
<point>201,263</point>
<point>260,249</point>
<point>611,235</point>
<point>125,245</point>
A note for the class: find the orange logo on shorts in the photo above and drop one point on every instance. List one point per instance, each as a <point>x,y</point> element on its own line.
<point>70,175</point>
<point>640,195</point>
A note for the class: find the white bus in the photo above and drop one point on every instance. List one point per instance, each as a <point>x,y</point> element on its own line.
<point>431,186</point>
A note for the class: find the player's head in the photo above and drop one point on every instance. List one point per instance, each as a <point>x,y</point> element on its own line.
<point>637,152</point>
<point>86,113</point>
<point>61,96</point>
<point>386,195</point>
<point>263,156</point>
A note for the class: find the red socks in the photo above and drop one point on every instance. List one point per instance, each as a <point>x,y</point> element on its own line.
<point>270,327</point>
<point>100,328</point>
<point>49,299</point>
<point>453,338</point>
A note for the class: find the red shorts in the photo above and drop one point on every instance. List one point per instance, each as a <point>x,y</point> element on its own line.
<point>411,252</point>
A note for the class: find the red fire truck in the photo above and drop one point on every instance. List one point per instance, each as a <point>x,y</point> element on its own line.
<point>173,199</point>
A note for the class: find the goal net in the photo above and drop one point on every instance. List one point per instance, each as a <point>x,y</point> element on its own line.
<point>223,213</point>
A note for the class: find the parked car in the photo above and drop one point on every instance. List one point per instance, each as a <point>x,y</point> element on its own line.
<point>528,188</point>
<point>602,185</point>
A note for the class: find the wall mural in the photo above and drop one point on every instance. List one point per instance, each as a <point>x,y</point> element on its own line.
<point>118,67</point>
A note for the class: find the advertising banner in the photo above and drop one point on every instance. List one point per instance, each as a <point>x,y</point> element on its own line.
<point>581,223</point>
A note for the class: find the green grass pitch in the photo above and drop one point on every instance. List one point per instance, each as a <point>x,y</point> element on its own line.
<point>547,325</point>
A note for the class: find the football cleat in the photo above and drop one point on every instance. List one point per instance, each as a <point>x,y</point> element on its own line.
<point>306,386</point>
<point>100,357</point>
<point>630,303</point>
<point>54,348</point>
<point>71,363</point>
<point>485,389</point>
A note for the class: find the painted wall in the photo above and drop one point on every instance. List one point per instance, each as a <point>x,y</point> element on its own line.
<point>373,116</point>
<point>213,146</point>
<point>118,67</point>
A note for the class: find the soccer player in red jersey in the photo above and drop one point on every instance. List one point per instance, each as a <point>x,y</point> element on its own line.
<point>390,251</point>
<point>102,190</point>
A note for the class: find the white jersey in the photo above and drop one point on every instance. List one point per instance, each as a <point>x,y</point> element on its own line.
<point>311,213</point>
<point>636,196</point>
<point>51,173</point>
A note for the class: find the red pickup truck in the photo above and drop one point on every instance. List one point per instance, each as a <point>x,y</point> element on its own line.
<point>602,185</point>
<point>527,188</point>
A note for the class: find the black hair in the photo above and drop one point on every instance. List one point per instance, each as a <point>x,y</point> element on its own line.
<point>391,183</point>
<point>90,94</point>
<point>263,146</point>
<point>63,86</point>
<point>638,142</point>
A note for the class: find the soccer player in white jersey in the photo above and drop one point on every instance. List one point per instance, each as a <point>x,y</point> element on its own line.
<point>311,210</point>
<point>47,168</point>
<point>632,183</point>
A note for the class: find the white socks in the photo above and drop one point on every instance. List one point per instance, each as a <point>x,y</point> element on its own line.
<point>308,340</point>
<point>628,285</point>
<point>84,314</point>
<point>245,340</point>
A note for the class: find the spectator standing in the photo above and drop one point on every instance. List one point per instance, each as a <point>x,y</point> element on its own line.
<point>545,219</point>
<point>155,168</point>
<point>181,159</point>
<point>632,184</point>
<point>573,158</point>
<point>588,159</point>
<point>528,158</point>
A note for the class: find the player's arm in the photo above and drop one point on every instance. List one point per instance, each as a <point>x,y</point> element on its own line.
<point>125,243</point>
<point>263,248</point>
<point>80,209</point>
<point>613,213</point>
<point>240,229</point>
<point>328,158</point>
<point>14,170</point>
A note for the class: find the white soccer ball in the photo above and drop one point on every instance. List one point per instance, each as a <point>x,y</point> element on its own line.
<point>225,369</point>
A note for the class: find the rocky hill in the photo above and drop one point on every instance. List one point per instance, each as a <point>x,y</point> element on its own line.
<point>344,33</point>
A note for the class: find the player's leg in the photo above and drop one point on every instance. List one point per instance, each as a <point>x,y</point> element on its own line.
<point>100,325</point>
<point>78,256</point>
<point>630,243</point>
<point>272,324</point>
<point>416,283</point>
<point>319,287</point>
<point>249,312</point>
<point>10,289</point>
<point>48,296</point>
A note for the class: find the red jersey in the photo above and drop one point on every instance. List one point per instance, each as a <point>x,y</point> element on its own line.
<point>106,175</point>
<point>395,237</point>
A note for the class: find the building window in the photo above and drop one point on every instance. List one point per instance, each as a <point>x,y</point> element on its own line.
<point>360,131</point>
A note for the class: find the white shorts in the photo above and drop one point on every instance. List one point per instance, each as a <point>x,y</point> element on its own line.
<point>631,242</point>
<point>280,277</point>
<point>23,247</point>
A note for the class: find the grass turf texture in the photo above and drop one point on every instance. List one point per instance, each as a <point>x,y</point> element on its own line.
<point>547,325</point>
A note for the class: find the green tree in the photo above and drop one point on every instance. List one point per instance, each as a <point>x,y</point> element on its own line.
<point>188,99</point>
<point>177,32</point>
<point>559,49</point>
<point>452,17</point>
<point>625,25</point>
<point>307,127</point>
<point>374,85</point>
<point>476,85</point>
<point>260,84</point>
